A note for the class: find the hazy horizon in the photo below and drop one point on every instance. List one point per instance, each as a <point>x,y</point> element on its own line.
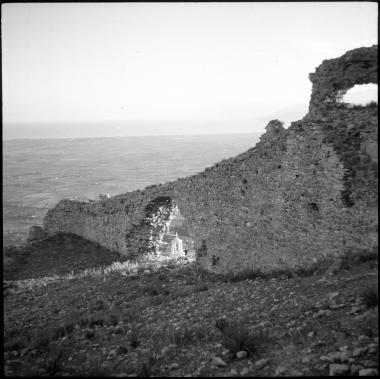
<point>168,68</point>
<point>53,133</point>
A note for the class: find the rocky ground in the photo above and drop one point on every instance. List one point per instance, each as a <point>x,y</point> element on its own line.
<point>168,318</point>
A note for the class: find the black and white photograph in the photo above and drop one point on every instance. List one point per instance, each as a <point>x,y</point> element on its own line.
<point>190,189</point>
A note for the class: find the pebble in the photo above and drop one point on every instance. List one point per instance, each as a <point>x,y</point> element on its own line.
<point>355,310</point>
<point>261,363</point>
<point>233,372</point>
<point>241,354</point>
<point>310,334</point>
<point>338,369</point>
<point>368,372</point>
<point>218,361</point>
<point>112,353</point>
<point>280,371</point>
<point>165,350</point>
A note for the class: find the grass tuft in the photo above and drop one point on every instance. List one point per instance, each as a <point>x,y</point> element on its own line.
<point>200,287</point>
<point>16,343</point>
<point>182,337</point>
<point>134,338</point>
<point>221,324</point>
<point>370,297</point>
<point>237,337</point>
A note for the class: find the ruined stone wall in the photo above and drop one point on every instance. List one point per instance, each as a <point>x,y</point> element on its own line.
<point>299,195</point>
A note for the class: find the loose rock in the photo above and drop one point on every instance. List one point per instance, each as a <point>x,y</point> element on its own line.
<point>241,354</point>
<point>338,369</point>
<point>218,362</point>
<point>261,363</point>
<point>368,372</point>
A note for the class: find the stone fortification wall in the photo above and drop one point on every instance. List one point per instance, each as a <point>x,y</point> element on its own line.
<point>299,195</point>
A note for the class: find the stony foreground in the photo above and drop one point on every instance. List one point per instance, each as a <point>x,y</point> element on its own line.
<point>174,320</point>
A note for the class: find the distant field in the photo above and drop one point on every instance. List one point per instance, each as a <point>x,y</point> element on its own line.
<point>39,173</point>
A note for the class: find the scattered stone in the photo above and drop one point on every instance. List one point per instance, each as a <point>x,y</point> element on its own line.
<point>121,350</point>
<point>372,348</point>
<point>354,370</point>
<point>310,334</point>
<point>233,372</point>
<point>336,369</point>
<point>334,305</point>
<point>305,360</point>
<point>112,353</point>
<point>368,363</point>
<point>344,356</point>
<point>322,312</point>
<point>368,372</point>
<point>359,351</point>
<point>332,357</point>
<point>295,373</point>
<point>218,362</point>
<point>241,354</point>
<point>173,366</point>
<point>244,371</point>
<point>165,350</point>
<point>355,309</point>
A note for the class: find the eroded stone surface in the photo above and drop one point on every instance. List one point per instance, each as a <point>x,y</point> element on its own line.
<point>300,195</point>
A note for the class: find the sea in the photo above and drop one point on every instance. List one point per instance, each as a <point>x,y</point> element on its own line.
<point>37,173</point>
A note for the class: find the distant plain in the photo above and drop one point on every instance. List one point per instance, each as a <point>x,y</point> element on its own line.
<point>37,173</point>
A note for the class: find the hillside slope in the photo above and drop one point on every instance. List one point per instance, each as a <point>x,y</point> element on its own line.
<point>163,321</point>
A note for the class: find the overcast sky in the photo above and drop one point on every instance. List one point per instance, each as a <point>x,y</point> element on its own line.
<point>93,69</point>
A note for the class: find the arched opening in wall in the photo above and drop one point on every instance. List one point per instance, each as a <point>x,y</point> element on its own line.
<point>360,95</point>
<point>176,240</point>
<point>165,230</point>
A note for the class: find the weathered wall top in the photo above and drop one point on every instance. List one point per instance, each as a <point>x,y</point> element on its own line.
<point>300,195</point>
<point>335,76</point>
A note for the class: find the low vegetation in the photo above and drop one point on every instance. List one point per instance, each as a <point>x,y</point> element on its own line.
<point>171,318</point>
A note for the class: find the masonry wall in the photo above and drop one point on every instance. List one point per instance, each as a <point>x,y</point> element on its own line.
<point>299,195</point>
